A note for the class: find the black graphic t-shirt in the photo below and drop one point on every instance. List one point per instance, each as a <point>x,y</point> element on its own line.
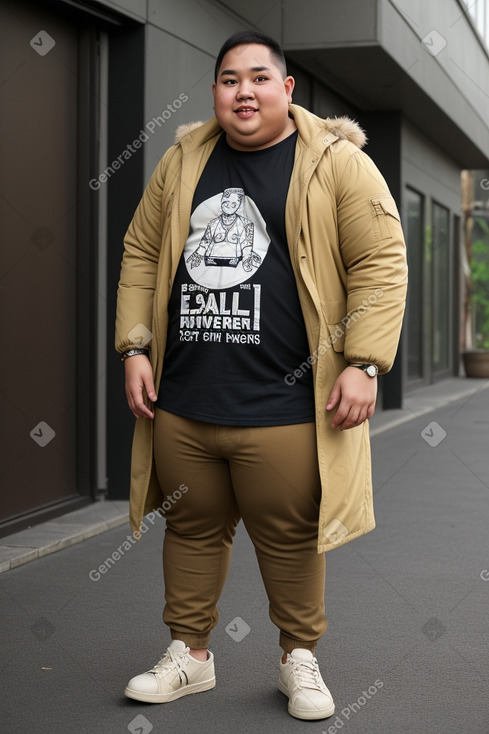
<point>235,323</point>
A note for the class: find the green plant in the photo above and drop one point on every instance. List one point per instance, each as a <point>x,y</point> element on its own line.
<point>479,290</point>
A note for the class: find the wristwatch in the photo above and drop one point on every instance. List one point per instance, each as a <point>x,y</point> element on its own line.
<point>371,369</point>
<point>133,353</point>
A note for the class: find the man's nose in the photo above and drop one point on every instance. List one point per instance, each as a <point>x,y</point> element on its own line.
<point>245,90</point>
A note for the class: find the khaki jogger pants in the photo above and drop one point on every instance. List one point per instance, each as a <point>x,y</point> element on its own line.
<point>268,476</point>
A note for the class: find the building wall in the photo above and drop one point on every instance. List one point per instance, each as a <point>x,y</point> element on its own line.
<point>429,170</point>
<point>176,73</point>
<point>435,42</point>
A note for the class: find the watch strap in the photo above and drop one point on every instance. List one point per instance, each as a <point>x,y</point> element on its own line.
<point>365,367</point>
<point>133,353</point>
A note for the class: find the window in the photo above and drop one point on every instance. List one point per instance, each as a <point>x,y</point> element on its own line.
<point>441,286</point>
<point>415,310</point>
<point>478,11</point>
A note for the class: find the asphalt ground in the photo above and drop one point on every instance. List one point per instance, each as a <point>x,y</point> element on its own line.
<point>407,645</point>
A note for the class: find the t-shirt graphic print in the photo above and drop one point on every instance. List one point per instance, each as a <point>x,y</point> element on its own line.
<point>227,244</point>
<point>225,250</point>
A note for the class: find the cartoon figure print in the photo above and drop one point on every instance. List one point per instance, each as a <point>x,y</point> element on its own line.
<point>228,239</point>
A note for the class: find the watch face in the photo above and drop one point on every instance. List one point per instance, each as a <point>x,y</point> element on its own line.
<point>371,370</point>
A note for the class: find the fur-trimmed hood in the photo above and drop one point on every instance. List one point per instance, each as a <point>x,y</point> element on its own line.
<point>342,127</point>
<point>186,128</point>
<point>346,129</point>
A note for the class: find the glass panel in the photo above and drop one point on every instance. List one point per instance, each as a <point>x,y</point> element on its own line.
<point>414,242</point>
<point>441,288</point>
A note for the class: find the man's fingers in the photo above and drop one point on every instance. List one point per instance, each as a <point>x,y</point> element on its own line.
<point>140,386</point>
<point>150,389</point>
<point>341,415</point>
<point>355,418</point>
<point>350,415</point>
<point>141,408</point>
<point>333,398</point>
<point>346,422</point>
<point>138,406</point>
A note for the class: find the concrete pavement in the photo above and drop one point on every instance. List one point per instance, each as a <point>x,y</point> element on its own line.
<point>406,649</point>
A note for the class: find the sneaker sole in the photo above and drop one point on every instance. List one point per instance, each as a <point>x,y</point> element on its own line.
<point>303,714</point>
<point>206,685</point>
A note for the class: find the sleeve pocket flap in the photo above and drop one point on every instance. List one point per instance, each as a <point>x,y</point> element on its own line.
<point>386,205</point>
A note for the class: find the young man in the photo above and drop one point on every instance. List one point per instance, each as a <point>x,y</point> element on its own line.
<point>255,389</point>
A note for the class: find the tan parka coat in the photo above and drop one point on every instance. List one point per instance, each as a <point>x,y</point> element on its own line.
<point>348,256</point>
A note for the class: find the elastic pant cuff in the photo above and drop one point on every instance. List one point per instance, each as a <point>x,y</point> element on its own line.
<point>195,642</point>
<point>289,643</point>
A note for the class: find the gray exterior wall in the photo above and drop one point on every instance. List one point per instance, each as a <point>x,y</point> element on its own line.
<point>421,58</point>
<point>429,170</point>
<point>174,70</point>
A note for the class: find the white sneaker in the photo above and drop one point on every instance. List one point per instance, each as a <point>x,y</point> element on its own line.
<point>177,674</point>
<point>301,681</point>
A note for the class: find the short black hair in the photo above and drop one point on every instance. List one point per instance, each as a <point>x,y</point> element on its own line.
<point>242,37</point>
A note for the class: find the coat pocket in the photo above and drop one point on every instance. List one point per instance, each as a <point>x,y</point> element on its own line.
<point>384,211</point>
<point>334,318</point>
<point>337,334</point>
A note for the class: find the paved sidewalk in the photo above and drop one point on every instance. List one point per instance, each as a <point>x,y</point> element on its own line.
<point>54,535</point>
<point>406,649</point>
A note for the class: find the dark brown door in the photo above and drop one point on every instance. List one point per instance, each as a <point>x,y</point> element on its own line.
<point>38,205</point>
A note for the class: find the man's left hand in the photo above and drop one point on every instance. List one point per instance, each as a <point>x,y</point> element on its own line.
<point>353,395</point>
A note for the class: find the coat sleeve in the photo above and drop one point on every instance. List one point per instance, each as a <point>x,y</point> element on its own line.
<point>137,282</point>
<point>374,255</point>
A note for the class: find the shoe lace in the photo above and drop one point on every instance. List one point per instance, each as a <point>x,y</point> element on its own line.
<point>307,672</point>
<point>170,661</point>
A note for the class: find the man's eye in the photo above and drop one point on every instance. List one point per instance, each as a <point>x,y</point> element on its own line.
<point>261,79</point>
<point>230,81</point>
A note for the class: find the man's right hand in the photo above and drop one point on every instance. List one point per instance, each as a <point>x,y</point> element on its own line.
<point>140,389</point>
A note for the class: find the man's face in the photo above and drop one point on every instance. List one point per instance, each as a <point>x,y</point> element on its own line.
<point>230,204</point>
<point>251,98</point>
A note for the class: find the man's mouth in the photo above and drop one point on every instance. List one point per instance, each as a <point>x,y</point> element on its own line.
<point>245,112</point>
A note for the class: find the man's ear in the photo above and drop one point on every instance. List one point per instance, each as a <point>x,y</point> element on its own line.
<point>289,84</point>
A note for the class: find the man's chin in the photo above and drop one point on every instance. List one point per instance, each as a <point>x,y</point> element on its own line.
<point>244,140</point>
